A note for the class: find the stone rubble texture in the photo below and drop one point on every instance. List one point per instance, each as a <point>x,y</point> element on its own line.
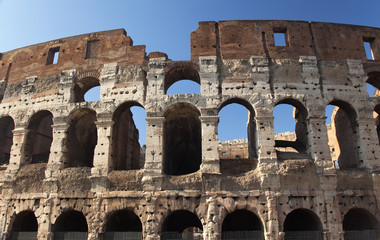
<point>234,62</point>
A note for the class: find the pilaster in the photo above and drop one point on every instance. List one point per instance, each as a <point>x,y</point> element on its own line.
<point>154,156</point>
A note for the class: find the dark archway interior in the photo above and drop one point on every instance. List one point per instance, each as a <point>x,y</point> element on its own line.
<point>242,220</point>
<point>345,130</point>
<point>83,86</point>
<point>180,220</point>
<point>359,220</point>
<point>39,138</point>
<point>81,139</point>
<point>302,220</point>
<point>123,221</point>
<point>71,221</point>
<point>6,139</point>
<point>182,140</point>
<point>125,139</point>
<point>25,222</point>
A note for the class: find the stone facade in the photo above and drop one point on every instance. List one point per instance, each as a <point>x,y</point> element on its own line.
<point>74,166</point>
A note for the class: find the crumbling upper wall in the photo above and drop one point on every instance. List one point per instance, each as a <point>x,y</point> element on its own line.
<point>85,53</point>
<point>243,39</point>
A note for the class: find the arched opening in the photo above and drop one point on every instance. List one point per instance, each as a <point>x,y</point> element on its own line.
<point>81,138</point>
<point>182,140</point>
<point>360,224</point>
<point>237,136</point>
<point>25,226</point>
<point>92,94</point>
<point>373,84</point>
<point>70,225</point>
<point>39,138</point>
<point>182,224</point>
<point>6,139</point>
<point>242,224</point>
<point>127,153</point>
<point>290,130</point>
<point>342,134</point>
<point>181,71</point>
<point>184,87</point>
<point>376,114</point>
<point>123,224</point>
<point>303,224</point>
<point>84,85</point>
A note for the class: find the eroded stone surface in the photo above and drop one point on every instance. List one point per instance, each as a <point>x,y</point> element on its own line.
<point>95,171</point>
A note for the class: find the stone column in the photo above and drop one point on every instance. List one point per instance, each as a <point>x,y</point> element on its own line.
<point>210,155</point>
<point>57,150</point>
<point>43,217</point>
<point>333,218</point>
<point>367,143</point>
<point>16,158</point>
<point>108,79</point>
<point>15,161</point>
<point>156,76</point>
<point>272,224</point>
<point>212,226</point>
<point>318,144</point>
<point>210,166</point>
<point>209,76</point>
<point>266,152</point>
<point>151,228</point>
<point>66,84</point>
<point>265,139</point>
<point>154,153</point>
<point>102,155</point>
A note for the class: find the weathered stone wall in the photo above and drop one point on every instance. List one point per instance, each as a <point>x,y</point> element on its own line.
<point>234,62</point>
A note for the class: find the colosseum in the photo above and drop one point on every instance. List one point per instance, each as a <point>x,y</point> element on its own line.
<point>74,169</point>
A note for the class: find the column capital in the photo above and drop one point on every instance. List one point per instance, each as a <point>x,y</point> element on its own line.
<point>209,118</point>
<point>105,123</point>
<point>153,120</point>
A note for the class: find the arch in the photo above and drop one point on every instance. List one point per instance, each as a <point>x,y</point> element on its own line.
<point>293,144</point>
<point>83,85</point>
<point>70,224</point>
<point>123,223</point>
<point>39,138</point>
<point>180,71</point>
<point>184,86</point>
<point>303,224</point>
<point>377,120</point>
<point>359,223</point>
<point>125,139</point>
<point>182,139</point>
<point>374,79</point>
<point>81,138</point>
<point>25,226</point>
<point>238,155</point>
<point>343,135</point>
<point>6,138</point>
<point>181,224</point>
<point>242,224</point>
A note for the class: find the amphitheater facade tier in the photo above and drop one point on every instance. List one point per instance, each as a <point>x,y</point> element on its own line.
<point>72,168</point>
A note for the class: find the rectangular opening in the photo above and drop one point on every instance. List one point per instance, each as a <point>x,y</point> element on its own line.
<point>279,36</point>
<point>368,44</point>
<point>53,56</point>
<point>92,49</point>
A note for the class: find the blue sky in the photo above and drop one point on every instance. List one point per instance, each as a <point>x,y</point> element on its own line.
<point>164,25</point>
